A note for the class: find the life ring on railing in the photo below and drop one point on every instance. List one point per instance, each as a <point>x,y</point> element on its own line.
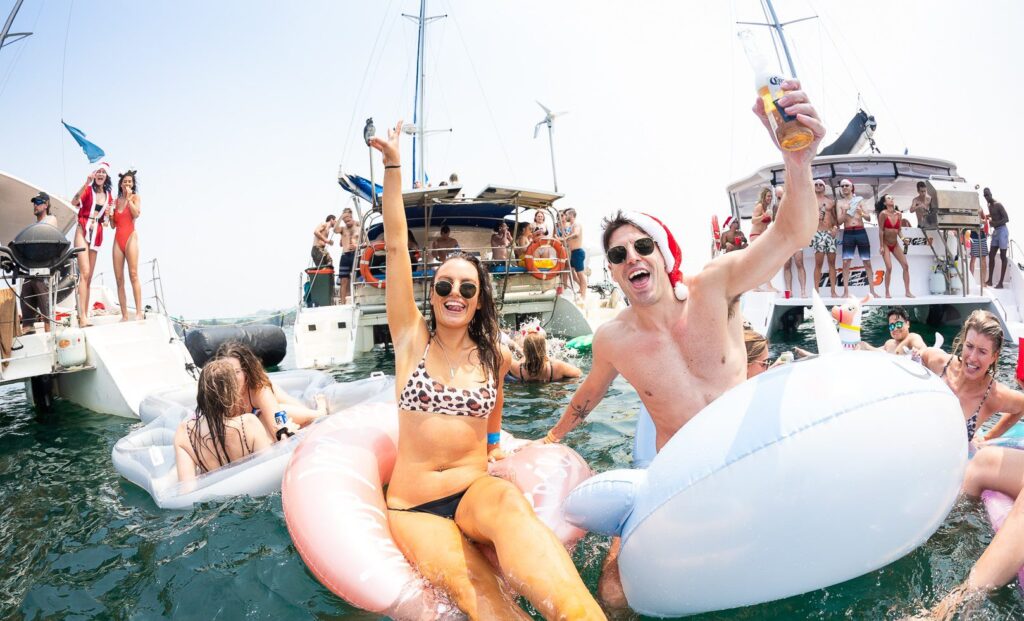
<point>531,263</point>
<point>364,265</point>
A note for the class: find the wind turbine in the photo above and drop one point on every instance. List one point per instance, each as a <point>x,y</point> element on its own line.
<point>548,120</point>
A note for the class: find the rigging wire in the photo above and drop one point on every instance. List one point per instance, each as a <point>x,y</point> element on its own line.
<point>362,83</point>
<point>483,95</point>
<point>63,70</point>
<point>772,35</point>
<point>17,55</point>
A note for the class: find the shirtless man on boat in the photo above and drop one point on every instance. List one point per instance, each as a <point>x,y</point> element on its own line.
<point>349,230</point>
<point>687,329</point>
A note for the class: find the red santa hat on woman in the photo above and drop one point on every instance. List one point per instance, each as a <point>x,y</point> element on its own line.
<point>666,244</point>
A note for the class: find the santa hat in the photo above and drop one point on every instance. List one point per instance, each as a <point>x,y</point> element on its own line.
<point>666,244</point>
<point>728,221</point>
<point>105,166</point>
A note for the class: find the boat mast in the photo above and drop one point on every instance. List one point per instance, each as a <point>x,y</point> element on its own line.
<point>778,27</point>
<point>419,109</point>
<point>6,33</point>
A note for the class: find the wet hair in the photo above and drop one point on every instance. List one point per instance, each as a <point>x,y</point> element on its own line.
<point>483,328</point>
<point>755,343</point>
<point>255,377</point>
<point>445,229</point>
<point>329,218</point>
<point>216,400</point>
<point>921,185</point>
<point>135,182</point>
<point>898,311</point>
<point>985,324</point>
<point>535,350</point>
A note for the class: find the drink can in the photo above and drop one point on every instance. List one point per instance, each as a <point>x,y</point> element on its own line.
<point>281,417</point>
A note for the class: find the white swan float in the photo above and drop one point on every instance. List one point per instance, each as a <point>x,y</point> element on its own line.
<point>146,455</point>
<point>810,474</point>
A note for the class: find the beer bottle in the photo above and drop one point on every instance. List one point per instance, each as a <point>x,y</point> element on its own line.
<point>789,133</point>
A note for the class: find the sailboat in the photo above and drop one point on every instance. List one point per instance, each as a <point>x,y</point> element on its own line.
<point>937,249</point>
<point>327,333</point>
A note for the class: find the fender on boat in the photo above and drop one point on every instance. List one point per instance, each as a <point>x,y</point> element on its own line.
<point>336,514</point>
<point>146,456</point>
<point>785,484</point>
<point>267,342</point>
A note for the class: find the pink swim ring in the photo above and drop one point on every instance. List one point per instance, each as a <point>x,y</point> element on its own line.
<point>334,507</point>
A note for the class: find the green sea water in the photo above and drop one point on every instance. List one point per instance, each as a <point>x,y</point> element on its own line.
<point>78,542</point>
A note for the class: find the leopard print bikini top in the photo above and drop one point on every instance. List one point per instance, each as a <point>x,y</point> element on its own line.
<point>424,394</point>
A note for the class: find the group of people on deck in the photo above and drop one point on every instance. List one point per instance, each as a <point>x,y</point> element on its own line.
<point>848,213</point>
<point>99,206</point>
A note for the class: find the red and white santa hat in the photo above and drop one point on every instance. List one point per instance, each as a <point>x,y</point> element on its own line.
<point>728,221</point>
<point>666,244</point>
<point>105,166</point>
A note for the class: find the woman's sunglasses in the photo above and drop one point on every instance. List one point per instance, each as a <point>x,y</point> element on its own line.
<point>643,246</point>
<point>444,288</point>
<point>896,325</point>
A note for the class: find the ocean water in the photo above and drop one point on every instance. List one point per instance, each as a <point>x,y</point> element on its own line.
<point>78,542</point>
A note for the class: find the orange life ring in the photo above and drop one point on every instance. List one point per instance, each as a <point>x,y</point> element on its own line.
<point>364,265</point>
<point>531,267</point>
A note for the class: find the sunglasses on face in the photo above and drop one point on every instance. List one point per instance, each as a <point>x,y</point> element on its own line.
<point>764,363</point>
<point>643,247</point>
<point>896,325</point>
<point>444,288</point>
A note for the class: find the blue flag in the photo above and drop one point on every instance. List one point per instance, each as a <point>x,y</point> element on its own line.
<point>93,152</point>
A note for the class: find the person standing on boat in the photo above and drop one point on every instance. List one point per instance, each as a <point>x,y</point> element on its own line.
<point>1000,237</point>
<point>539,222</point>
<point>35,292</point>
<point>444,244</point>
<point>921,205</point>
<point>127,210</point>
<point>441,500</point>
<point>349,230</point>
<point>890,238</point>
<point>687,329</point>
<point>321,258</point>
<point>762,215</point>
<point>501,240</point>
<point>824,241</point>
<point>979,246</point>
<point>573,235</point>
<point>93,200</point>
<point>855,238</point>
<point>797,259</point>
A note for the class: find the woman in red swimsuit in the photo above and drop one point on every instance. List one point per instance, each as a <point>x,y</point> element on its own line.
<point>126,242</point>
<point>442,502</point>
<point>94,201</point>
<point>889,236</point>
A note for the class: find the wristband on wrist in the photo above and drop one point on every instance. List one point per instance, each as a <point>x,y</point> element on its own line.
<point>550,438</point>
<point>386,166</point>
<point>494,438</point>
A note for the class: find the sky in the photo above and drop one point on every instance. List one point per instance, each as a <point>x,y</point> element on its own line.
<point>239,114</point>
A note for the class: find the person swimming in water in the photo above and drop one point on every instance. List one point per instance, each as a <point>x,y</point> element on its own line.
<point>442,503</point>
<point>536,366</point>
<point>221,430</point>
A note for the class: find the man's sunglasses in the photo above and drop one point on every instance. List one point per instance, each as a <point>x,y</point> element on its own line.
<point>643,246</point>
<point>444,288</point>
<point>896,325</point>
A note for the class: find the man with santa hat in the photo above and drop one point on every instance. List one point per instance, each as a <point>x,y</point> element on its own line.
<point>680,341</point>
<point>732,238</point>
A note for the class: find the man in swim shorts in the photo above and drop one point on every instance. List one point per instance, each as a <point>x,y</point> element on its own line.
<point>349,230</point>
<point>321,258</point>
<point>577,255</point>
<point>824,240</point>
<point>920,206</point>
<point>680,341</point>
<point>35,292</point>
<point>854,212</point>
<point>1000,237</point>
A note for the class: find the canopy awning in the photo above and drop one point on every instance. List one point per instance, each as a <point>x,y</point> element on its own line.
<point>16,208</point>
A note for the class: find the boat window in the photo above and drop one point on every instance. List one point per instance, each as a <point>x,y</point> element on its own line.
<point>922,170</point>
<point>864,169</point>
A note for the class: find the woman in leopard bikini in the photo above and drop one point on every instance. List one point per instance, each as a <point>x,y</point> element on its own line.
<point>442,502</point>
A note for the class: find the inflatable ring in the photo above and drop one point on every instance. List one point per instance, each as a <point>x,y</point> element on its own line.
<point>334,508</point>
<point>531,262</point>
<point>364,265</point>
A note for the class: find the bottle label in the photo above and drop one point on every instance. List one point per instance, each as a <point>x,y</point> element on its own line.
<point>775,86</point>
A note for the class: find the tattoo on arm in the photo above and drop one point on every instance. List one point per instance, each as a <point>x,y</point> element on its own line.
<point>580,412</point>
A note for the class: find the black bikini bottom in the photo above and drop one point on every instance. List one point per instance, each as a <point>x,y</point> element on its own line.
<point>442,507</point>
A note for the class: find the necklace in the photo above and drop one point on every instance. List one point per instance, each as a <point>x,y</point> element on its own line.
<point>451,368</point>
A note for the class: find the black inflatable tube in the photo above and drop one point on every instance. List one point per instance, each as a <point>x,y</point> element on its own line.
<point>267,342</point>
